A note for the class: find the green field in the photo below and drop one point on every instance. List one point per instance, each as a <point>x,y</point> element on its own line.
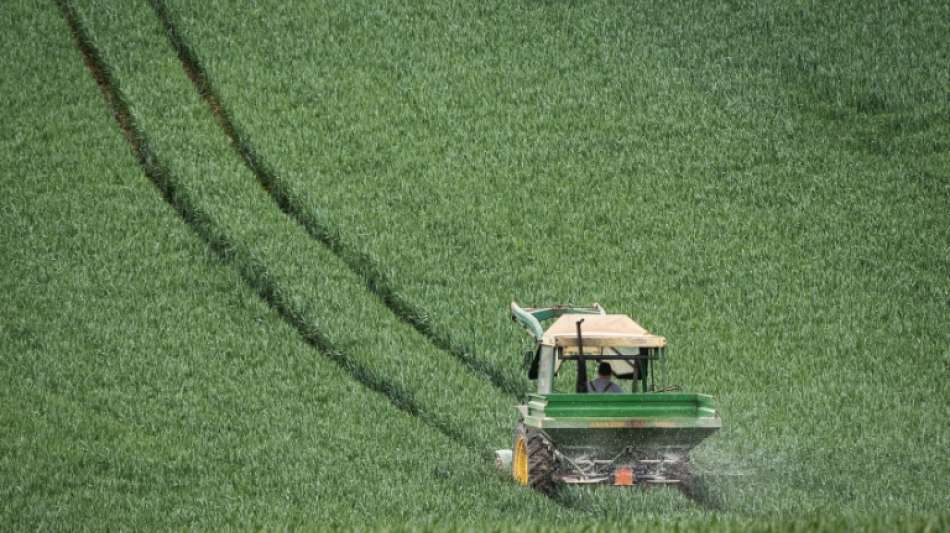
<point>257,255</point>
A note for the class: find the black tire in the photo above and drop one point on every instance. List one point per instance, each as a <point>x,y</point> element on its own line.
<point>540,459</point>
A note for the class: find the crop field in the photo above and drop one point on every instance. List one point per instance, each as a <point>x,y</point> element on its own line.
<point>258,256</point>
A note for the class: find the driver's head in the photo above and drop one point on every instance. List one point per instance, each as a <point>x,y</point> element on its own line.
<point>603,370</point>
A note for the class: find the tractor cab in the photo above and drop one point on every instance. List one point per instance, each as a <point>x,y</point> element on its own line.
<point>578,335</point>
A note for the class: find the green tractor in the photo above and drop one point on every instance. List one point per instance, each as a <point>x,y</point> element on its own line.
<point>583,437</point>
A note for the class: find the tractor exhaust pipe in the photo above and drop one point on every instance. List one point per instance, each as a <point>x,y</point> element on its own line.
<point>581,385</point>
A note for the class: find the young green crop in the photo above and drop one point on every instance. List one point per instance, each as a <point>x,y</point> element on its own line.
<point>766,185</point>
<point>144,386</point>
<point>298,276</point>
<point>301,278</point>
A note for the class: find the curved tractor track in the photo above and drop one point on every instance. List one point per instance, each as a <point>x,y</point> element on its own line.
<point>253,271</point>
<point>287,201</point>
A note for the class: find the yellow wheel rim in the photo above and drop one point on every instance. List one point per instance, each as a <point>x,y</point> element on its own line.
<point>519,463</point>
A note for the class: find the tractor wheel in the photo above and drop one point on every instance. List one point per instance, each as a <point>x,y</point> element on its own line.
<point>532,461</point>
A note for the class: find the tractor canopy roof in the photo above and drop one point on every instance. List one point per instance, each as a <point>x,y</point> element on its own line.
<point>599,332</point>
<point>615,339</point>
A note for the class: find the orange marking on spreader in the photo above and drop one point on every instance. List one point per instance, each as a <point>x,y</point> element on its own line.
<point>624,476</point>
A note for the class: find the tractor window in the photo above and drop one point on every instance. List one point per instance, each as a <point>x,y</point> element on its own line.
<point>634,370</point>
<point>564,380</point>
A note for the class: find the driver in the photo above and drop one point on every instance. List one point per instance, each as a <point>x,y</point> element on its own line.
<point>603,382</point>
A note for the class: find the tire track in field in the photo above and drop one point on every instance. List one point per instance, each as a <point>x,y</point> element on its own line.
<point>357,262</point>
<point>254,274</point>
